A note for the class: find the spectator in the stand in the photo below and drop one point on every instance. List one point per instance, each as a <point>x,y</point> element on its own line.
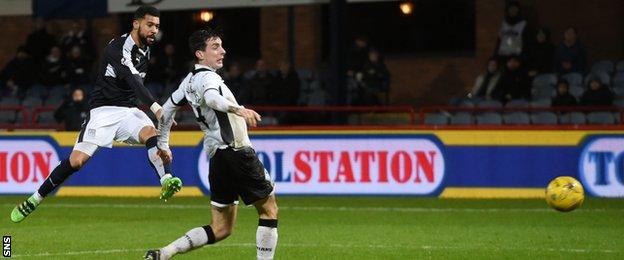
<point>40,41</point>
<point>514,82</point>
<point>235,80</point>
<point>173,65</point>
<point>597,94</point>
<point>358,55</point>
<point>376,77</point>
<point>488,82</point>
<point>565,66</point>
<point>512,37</point>
<point>156,78</point>
<point>165,72</point>
<point>287,85</point>
<point>78,68</point>
<point>359,93</point>
<point>541,54</point>
<point>73,112</point>
<point>53,68</point>
<point>79,35</point>
<point>570,55</point>
<point>318,95</point>
<point>563,97</point>
<point>17,75</point>
<point>261,85</point>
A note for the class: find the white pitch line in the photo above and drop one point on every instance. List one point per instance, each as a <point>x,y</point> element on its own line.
<point>318,208</point>
<point>251,245</point>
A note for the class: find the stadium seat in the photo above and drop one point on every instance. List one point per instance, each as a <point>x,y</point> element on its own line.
<point>469,103</point>
<point>544,118</point>
<point>7,117</point>
<point>574,118</point>
<point>603,66</point>
<point>10,101</point>
<point>601,75</point>
<point>46,117</point>
<point>618,103</point>
<point>541,103</point>
<point>37,90</point>
<point>600,118</point>
<point>32,102</point>
<point>619,91</point>
<point>577,92</point>
<point>543,80</point>
<point>489,118</point>
<point>620,66</point>
<point>436,119</point>
<point>490,104</point>
<point>617,117</point>
<point>21,120</point>
<point>517,103</point>
<point>53,101</point>
<point>462,118</point>
<point>618,80</point>
<point>574,79</point>
<point>58,91</point>
<point>543,92</point>
<point>517,118</point>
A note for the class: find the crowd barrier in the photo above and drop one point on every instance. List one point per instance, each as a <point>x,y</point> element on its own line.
<point>407,162</point>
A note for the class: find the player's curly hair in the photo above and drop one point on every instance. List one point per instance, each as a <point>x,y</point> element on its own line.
<point>197,40</point>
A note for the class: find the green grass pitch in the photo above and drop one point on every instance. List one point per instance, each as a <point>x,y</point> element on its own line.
<point>324,228</point>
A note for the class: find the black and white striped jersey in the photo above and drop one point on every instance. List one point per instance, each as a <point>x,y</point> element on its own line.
<point>120,77</point>
<point>199,89</point>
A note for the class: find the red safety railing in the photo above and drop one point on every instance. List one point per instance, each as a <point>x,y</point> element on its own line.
<point>16,109</point>
<point>415,120</point>
<point>35,115</point>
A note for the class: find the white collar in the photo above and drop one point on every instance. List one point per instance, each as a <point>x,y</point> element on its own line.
<point>144,52</point>
<point>200,66</point>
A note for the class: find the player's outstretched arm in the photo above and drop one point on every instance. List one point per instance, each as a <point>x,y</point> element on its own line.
<point>220,103</point>
<point>169,109</point>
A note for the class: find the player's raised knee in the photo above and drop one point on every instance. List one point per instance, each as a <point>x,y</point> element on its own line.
<point>76,163</point>
<point>78,159</point>
<point>147,132</point>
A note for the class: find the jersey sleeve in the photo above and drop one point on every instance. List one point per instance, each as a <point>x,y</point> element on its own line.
<point>171,106</point>
<point>121,61</point>
<point>212,95</point>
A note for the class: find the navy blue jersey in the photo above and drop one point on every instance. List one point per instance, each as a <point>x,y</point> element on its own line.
<point>120,77</point>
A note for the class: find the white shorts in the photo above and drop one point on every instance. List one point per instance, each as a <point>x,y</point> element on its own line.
<point>108,123</point>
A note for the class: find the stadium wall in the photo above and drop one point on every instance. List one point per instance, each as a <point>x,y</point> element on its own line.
<point>444,163</point>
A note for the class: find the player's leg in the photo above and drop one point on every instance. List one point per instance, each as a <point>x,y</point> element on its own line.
<point>223,199</point>
<point>255,187</point>
<point>222,225</point>
<point>138,128</point>
<point>79,156</point>
<point>170,184</point>
<point>266,235</point>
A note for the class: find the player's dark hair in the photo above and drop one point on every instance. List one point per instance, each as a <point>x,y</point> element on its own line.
<point>144,10</point>
<point>197,40</point>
